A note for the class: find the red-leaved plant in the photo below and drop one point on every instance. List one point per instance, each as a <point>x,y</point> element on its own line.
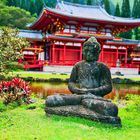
<point>15,90</point>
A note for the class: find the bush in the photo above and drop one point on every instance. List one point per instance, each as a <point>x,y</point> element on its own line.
<point>16,90</point>
<point>57,80</point>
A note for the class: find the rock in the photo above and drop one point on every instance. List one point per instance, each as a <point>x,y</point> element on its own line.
<point>118,73</point>
<point>117,80</point>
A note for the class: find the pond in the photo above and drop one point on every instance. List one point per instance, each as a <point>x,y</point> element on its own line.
<point>45,89</point>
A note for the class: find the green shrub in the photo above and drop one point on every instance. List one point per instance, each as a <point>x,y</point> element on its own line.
<point>15,90</point>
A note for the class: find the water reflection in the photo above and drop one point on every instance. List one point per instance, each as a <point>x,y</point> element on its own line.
<point>45,89</point>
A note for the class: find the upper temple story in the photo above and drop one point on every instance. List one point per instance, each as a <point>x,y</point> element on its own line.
<point>75,18</point>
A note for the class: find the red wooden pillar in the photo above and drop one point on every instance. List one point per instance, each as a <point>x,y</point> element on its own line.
<point>34,57</point>
<point>64,55</point>
<point>102,56</point>
<point>50,54</point>
<point>53,53</point>
<point>102,52</point>
<point>126,53</point>
<point>117,54</point>
<point>81,52</point>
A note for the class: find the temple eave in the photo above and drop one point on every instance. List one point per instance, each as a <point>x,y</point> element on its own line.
<point>48,17</point>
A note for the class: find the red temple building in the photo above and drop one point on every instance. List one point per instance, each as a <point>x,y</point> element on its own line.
<point>58,34</point>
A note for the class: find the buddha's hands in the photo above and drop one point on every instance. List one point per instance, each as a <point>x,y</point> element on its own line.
<point>88,96</point>
<point>81,90</point>
<point>85,91</point>
<point>77,90</point>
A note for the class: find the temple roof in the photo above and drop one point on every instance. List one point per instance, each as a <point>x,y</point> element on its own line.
<point>89,12</point>
<point>124,42</point>
<point>38,36</point>
<point>31,35</point>
<point>82,14</point>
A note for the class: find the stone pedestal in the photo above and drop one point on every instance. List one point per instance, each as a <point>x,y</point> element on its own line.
<point>82,112</point>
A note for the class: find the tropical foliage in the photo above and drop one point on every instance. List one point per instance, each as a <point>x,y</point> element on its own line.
<point>14,17</point>
<point>16,90</point>
<point>10,47</point>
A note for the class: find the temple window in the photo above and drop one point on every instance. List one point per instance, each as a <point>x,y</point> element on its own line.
<point>102,31</point>
<point>84,29</point>
<point>108,32</point>
<point>66,30</point>
<point>70,29</point>
<point>92,30</point>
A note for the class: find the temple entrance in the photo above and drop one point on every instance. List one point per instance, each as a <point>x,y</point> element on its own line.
<point>121,58</point>
<point>65,53</point>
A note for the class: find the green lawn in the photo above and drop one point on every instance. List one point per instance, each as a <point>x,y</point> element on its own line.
<point>66,76</point>
<point>24,124</point>
<point>41,75</point>
<point>135,78</point>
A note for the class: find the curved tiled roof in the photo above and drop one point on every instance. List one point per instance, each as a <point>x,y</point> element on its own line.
<point>85,14</point>
<point>90,12</point>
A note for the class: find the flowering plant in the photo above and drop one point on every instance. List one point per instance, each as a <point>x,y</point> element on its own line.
<point>15,90</point>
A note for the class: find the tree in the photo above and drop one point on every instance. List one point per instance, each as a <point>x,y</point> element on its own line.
<point>32,8</point>
<point>126,12</point>
<point>39,4</point>
<point>117,11</point>
<point>107,6</point>
<point>13,3</point>
<point>23,4</point>
<point>10,46</point>
<point>138,9</point>
<point>3,1</point>
<point>15,17</point>
<point>89,2</point>
<point>75,1</point>
<point>135,10</point>
<point>10,2</point>
<point>50,3</point>
<point>135,14</point>
<point>127,34</point>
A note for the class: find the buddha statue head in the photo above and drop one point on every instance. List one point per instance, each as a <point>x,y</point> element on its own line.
<point>91,50</point>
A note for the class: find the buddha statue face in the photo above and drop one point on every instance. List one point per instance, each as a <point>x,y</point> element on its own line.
<point>91,50</point>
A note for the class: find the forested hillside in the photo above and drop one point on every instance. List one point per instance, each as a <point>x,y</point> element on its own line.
<point>35,6</point>
<point>14,17</point>
<point>18,13</point>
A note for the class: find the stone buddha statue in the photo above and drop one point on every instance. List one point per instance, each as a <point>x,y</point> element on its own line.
<point>89,82</point>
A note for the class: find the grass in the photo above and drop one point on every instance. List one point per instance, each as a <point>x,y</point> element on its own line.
<point>23,123</point>
<point>135,78</point>
<point>41,75</point>
<point>61,76</point>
